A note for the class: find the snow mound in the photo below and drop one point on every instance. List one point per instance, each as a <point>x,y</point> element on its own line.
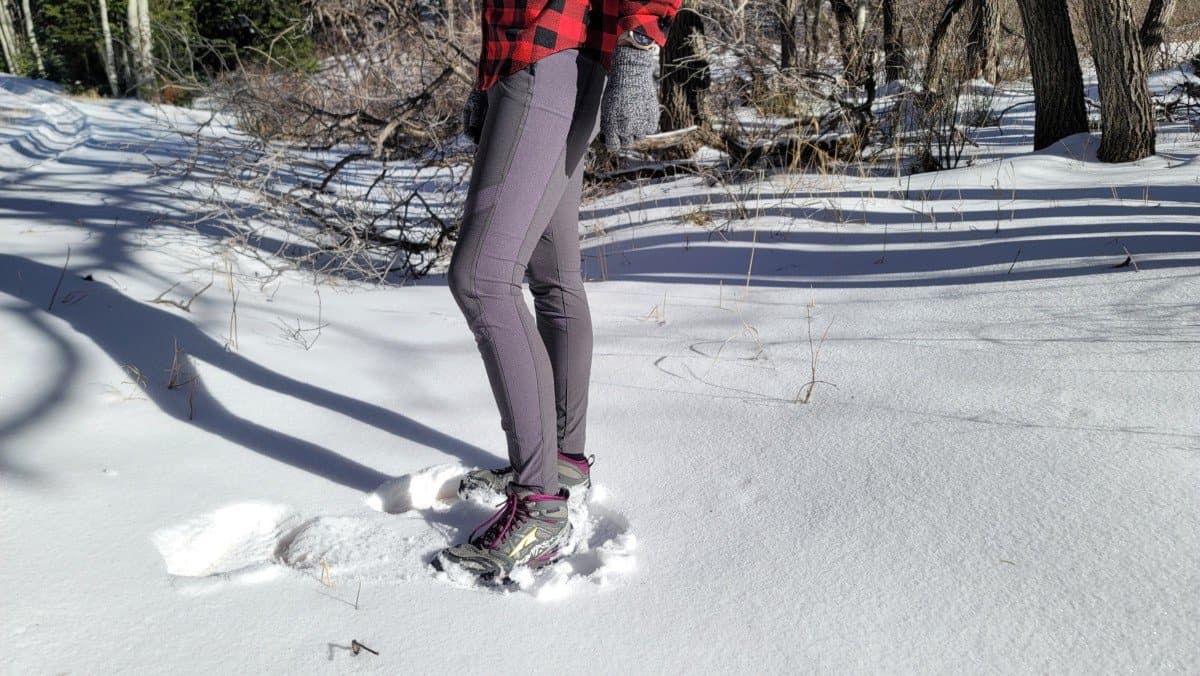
<point>431,488</point>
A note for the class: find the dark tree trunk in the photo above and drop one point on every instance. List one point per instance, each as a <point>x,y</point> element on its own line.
<point>1054,63</point>
<point>1158,17</point>
<point>788,24</point>
<point>855,56</point>
<point>935,63</point>
<point>685,72</point>
<point>1128,116</point>
<point>813,49</point>
<point>982,59</point>
<point>895,62</point>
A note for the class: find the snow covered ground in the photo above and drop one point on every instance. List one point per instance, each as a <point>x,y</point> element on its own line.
<point>996,472</point>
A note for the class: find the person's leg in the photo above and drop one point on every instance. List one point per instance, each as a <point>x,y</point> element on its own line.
<point>555,276</point>
<point>517,180</point>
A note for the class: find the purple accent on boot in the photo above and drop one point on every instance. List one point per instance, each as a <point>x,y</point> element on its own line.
<point>543,559</point>
<point>508,514</point>
<point>583,465</point>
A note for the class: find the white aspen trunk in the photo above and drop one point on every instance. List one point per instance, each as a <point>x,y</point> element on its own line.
<point>146,42</point>
<point>110,63</point>
<point>860,16</point>
<point>33,43</point>
<point>141,57</point>
<point>8,38</point>
<point>132,49</point>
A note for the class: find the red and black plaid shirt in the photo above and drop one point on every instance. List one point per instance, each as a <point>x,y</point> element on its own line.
<point>517,33</point>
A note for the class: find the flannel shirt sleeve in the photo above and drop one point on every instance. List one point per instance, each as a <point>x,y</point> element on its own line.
<point>652,17</point>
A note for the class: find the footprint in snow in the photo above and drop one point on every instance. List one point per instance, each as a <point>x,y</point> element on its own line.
<point>414,517</point>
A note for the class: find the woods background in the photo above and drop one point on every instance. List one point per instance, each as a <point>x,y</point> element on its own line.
<point>357,102</point>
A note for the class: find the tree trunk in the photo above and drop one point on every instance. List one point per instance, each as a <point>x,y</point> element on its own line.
<point>788,19</point>
<point>1158,17</point>
<point>140,54</point>
<point>1054,63</point>
<point>982,59</point>
<point>33,43</point>
<point>861,11</point>
<point>685,72</point>
<point>147,45</point>
<point>895,61</point>
<point>814,33</point>
<point>8,40</point>
<point>935,65</point>
<point>110,64</point>
<point>133,50</point>
<point>850,19</point>
<point>1127,124</point>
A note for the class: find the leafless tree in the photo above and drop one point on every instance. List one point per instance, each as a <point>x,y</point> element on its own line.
<point>352,168</point>
<point>982,41</point>
<point>140,47</point>
<point>1154,25</point>
<point>32,37</point>
<point>8,39</point>
<point>110,64</point>
<point>895,58</point>
<point>1128,116</point>
<point>1057,78</point>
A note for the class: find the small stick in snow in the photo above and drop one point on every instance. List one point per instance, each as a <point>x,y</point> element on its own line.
<point>357,594</point>
<point>60,278</point>
<point>355,646</point>
<point>883,254</point>
<point>1014,263</point>
<point>326,574</point>
<point>187,306</point>
<point>1129,260</point>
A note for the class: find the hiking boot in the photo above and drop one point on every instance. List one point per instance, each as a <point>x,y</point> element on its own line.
<point>528,530</point>
<point>488,485</point>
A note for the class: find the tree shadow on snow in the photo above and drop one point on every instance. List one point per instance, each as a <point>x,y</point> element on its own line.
<point>947,237</point>
<point>142,336</point>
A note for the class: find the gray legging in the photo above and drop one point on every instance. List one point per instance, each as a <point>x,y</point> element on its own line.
<point>522,218</point>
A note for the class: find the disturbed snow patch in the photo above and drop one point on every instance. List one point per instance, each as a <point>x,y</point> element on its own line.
<point>414,517</point>
<point>235,543</point>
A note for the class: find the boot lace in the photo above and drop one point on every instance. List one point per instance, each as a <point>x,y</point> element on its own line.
<point>511,515</point>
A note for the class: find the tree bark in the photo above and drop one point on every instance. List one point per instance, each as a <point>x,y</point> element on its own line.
<point>140,51</point>
<point>685,72</point>
<point>788,21</point>
<point>110,63</point>
<point>1057,78</point>
<point>982,59</point>
<point>147,46</point>
<point>1158,17</point>
<point>33,43</point>
<point>8,39</point>
<point>851,20</point>
<point>935,65</point>
<point>1127,124</point>
<point>895,62</point>
<point>813,49</point>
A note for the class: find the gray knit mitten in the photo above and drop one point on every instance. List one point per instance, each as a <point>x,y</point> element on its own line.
<point>474,110</point>
<point>629,109</point>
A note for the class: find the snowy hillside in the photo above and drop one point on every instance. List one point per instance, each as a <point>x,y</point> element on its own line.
<point>995,471</point>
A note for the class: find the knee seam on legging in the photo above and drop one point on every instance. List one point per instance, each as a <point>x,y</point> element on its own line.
<point>491,220</point>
